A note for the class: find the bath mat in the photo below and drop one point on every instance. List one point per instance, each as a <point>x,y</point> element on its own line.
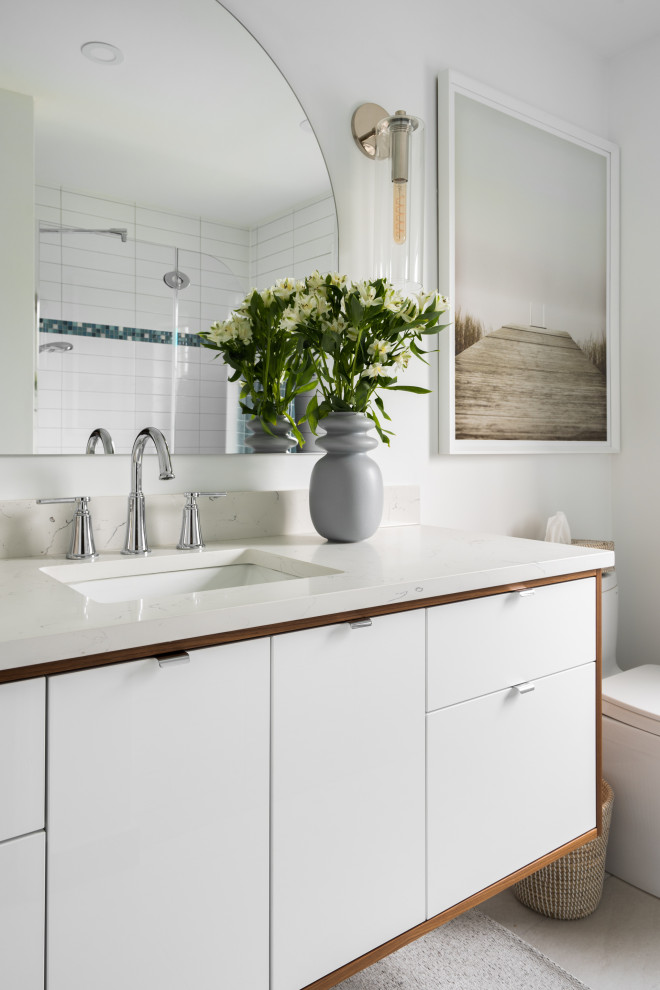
<point>472,952</point>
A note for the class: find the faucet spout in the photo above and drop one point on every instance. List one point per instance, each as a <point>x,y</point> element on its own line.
<point>136,529</point>
<point>164,460</point>
<point>100,433</point>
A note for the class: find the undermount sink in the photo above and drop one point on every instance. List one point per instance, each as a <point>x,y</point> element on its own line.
<point>158,577</point>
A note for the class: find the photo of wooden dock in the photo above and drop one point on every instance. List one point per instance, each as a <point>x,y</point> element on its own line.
<point>529,383</point>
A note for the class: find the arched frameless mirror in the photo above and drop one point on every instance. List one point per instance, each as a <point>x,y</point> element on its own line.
<point>168,183</point>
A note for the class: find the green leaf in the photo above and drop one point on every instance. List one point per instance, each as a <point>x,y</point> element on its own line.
<point>379,402</point>
<point>408,388</point>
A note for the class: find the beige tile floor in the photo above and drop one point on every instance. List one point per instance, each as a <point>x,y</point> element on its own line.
<point>616,948</point>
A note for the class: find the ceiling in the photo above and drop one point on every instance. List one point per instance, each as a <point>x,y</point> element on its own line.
<point>197,118</point>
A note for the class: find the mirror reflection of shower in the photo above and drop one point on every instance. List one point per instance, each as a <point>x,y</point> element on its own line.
<point>130,310</point>
<point>55,347</point>
<point>121,232</point>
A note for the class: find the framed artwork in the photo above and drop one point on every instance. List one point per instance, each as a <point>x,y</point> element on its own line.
<point>528,254</point>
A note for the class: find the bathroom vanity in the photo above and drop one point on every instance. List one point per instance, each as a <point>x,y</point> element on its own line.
<point>274,785</point>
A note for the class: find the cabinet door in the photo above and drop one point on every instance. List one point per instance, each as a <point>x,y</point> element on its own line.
<point>158,824</point>
<point>22,913</point>
<point>511,777</point>
<point>22,757</point>
<point>347,793</point>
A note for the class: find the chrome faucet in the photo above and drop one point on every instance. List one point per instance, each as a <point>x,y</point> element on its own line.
<point>100,433</point>
<point>136,530</point>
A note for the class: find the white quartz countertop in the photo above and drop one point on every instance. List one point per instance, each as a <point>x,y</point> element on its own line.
<point>43,620</point>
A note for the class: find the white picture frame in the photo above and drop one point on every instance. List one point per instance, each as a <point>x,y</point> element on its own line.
<point>528,222</point>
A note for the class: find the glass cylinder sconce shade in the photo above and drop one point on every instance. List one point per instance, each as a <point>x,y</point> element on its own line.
<point>399,201</point>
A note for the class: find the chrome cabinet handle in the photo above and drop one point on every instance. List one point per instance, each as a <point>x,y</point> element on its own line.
<point>525,688</point>
<point>360,623</point>
<point>173,659</point>
<point>527,593</point>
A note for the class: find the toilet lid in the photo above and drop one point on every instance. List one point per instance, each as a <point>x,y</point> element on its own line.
<point>633,696</point>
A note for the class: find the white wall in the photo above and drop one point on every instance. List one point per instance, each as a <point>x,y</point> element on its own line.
<point>635,88</point>
<point>335,57</point>
<point>16,263</point>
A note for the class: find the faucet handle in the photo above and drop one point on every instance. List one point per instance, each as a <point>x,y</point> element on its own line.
<point>82,538</point>
<point>191,533</point>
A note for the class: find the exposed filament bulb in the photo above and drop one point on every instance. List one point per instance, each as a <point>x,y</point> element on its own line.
<point>399,210</point>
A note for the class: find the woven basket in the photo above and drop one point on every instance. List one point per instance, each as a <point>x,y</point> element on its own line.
<point>572,886</point>
<point>594,544</point>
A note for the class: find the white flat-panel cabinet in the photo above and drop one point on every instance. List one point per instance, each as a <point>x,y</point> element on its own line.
<point>158,823</point>
<point>22,913</point>
<point>348,859</point>
<point>511,777</point>
<point>22,757</point>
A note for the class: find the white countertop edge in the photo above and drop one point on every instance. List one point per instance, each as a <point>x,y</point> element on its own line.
<point>377,572</point>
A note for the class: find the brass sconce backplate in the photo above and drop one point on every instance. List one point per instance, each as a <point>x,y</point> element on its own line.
<point>363,127</point>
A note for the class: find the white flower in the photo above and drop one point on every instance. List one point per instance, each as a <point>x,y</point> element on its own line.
<point>379,348</point>
<point>401,360</point>
<point>315,280</point>
<point>374,371</point>
<point>367,294</point>
<point>284,287</point>
<point>241,329</point>
<point>393,300</point>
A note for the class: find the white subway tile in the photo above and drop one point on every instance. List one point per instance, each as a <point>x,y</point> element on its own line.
<point>47,214</point>
<point>48,441</point>
<point>49,418</point>
<point>96,208</point>
<point>266,248</point>
<point>46,195</point>
<point>214,231</point>
<point>165,236</point>
<point>274,227</point>
<point>314,211</point>
<point>157,386</point>
<point>173,222</point>
<point>49,398</point>
<point>153,369</point>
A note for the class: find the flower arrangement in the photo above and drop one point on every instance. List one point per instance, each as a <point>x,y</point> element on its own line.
<point>347,340</point>
<point>263,354</point>
<point>361,336</point>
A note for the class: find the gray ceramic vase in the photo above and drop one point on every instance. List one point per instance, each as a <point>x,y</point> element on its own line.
<point>267,443</point>
<point>346,486</point>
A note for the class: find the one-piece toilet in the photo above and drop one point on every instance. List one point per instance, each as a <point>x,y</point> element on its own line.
<point>631,757</point>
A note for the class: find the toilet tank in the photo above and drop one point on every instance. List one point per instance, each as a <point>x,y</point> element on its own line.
<point>610,615</point>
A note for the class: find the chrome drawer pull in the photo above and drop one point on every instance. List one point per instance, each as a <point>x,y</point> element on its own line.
<point>360,623</point>
<point>524,688</point>
<point>528,593</point>
<point>172,659</point>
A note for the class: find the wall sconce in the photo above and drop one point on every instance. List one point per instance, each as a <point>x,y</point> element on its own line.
<point>395,143</point>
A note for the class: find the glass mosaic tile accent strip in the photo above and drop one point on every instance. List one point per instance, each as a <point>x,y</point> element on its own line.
<point>118,333</point>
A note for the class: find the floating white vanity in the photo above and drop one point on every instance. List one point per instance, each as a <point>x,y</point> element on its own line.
<point>272,785</point>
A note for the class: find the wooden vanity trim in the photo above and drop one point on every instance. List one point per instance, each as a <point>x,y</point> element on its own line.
<point>274,629</point>
<point>362,962</point>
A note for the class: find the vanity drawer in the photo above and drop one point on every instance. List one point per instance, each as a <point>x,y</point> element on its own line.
<point>510,778</point>
<point>485,644</point>
<point>22,757</point>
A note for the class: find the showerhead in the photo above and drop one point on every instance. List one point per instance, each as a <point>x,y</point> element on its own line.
<point>176,280</point>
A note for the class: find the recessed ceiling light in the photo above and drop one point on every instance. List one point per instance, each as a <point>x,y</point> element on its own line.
<point>102,52</point>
